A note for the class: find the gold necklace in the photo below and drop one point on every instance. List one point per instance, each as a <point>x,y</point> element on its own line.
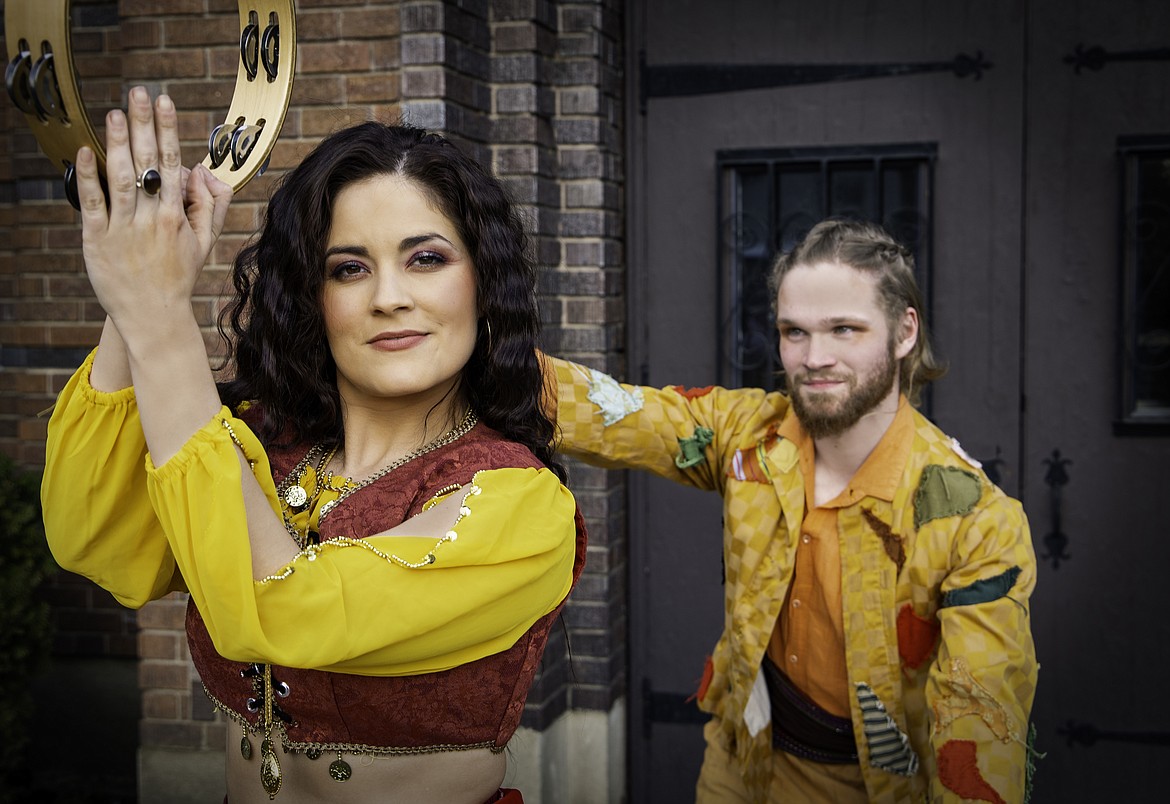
<point>292,495</point>
<point>295,496</point>
<point>292,501</point>
<point>454,434</point>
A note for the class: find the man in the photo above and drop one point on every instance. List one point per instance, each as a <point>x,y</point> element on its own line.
<point>876,644</point>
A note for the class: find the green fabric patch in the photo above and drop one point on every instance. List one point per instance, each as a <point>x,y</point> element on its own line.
<point>984,591</point>
<point>945,491</point>
<point>690,450</point>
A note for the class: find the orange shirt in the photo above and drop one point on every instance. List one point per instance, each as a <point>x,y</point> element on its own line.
<point>808,643</point>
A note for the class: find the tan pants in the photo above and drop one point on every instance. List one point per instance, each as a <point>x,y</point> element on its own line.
<point>794,780</point>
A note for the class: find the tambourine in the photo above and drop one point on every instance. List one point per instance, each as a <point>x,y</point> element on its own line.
<point>41,82</point>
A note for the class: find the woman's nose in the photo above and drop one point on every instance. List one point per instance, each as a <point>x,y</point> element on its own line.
<point>391,291</point>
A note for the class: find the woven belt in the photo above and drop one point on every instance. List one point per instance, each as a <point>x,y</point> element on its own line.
<point>803,729</point>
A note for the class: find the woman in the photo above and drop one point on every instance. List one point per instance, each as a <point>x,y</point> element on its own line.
<point>367,517</point>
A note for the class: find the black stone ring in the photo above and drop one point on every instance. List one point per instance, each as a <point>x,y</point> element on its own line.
<point>149,181</point>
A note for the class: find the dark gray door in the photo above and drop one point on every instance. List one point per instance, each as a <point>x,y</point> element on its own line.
<point>1097,386</point>
<point>1048,221</point>
<point>685,292</point>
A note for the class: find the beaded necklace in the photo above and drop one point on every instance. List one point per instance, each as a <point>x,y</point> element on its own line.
<point>294,498</point>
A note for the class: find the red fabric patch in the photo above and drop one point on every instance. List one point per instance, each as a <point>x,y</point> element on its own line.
<point>691,393</point>
<point>917,637</point>
<point>958,771</point>
<point>708,672</point>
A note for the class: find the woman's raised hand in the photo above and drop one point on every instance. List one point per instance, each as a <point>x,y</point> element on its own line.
<point>145,252</point>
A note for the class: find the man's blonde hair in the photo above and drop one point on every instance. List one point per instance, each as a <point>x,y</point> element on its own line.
<point>867,247</point>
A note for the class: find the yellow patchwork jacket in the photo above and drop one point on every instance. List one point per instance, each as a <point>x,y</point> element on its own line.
<point>935,586</point>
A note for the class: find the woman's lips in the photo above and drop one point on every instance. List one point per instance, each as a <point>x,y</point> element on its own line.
<point>397,341</point>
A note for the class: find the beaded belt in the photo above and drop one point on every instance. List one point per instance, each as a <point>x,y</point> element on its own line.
<point>803,729</point>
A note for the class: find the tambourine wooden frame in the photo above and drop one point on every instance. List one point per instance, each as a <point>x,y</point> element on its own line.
<point>258,106</point>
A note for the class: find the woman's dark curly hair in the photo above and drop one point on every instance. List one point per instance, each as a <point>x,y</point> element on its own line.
<point>278,356</point>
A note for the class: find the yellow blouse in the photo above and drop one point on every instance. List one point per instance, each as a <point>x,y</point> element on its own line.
<point>345,606</point>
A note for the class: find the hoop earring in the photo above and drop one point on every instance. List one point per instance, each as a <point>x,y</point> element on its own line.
<point>488,324</point>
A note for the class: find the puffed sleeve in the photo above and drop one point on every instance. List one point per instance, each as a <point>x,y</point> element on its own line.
<point>983,682</point>
<point>98,519</point>
<point>381,606</point>
<point>684,435</point>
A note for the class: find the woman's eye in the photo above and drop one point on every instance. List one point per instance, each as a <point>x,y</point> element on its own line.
<point>347,269</point>
<point>428,259</point>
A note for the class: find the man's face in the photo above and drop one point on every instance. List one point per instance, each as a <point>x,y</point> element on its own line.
<point>837,348</point>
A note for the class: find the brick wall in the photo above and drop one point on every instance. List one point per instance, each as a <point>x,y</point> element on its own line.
<point>585,314</point>
<point>48,318</point>
<point>532,87</point>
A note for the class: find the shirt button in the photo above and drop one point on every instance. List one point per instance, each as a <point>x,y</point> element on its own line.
<point>796,604</point>
<point>792,658</point>
<point>806,538</point>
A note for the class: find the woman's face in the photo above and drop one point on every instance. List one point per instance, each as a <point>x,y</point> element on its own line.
<point>399,297</point>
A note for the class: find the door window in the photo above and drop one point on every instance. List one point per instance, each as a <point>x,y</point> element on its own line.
<point>770,199</point>
<point>1145,300</point>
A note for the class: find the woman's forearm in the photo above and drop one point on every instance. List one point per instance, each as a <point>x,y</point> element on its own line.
<point>177,397</point>
<point>111,366</point>
<point>172,378</point>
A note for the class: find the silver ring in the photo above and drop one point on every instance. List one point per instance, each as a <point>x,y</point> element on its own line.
<point>149,181</point>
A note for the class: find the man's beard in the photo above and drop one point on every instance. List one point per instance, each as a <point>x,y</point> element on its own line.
<point>824,415</point>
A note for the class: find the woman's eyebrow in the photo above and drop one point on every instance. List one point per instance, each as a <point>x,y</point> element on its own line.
<point>417,240</point>
<point>407,244</point>
<point>360,251</point>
